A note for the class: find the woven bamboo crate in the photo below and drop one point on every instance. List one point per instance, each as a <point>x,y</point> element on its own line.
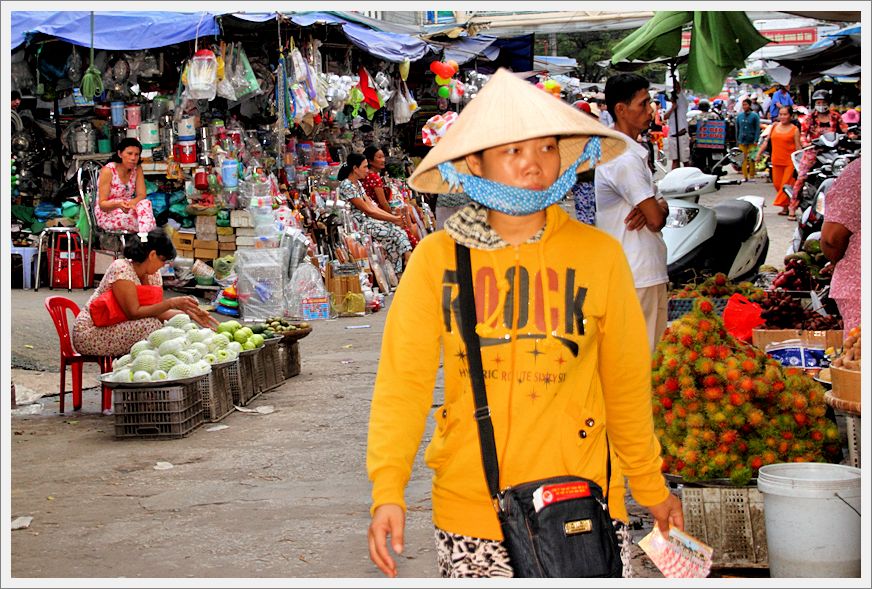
<point>731,521</point>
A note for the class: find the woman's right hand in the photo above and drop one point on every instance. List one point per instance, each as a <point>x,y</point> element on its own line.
<point>190,306</point>
<point>387,520</point>
<point>397,220</point>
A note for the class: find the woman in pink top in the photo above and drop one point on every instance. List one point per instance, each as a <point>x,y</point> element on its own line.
<point>840,241</point>
<point>121,204</point>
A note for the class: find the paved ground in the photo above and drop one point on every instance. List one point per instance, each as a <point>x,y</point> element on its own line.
<point>277,495</point>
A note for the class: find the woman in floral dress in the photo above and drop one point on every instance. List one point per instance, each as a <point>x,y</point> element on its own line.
<point>121,204</point>
<point>141,265</point>
<point>382,226</point>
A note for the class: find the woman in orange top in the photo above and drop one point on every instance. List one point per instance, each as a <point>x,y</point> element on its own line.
<point>784,136</point>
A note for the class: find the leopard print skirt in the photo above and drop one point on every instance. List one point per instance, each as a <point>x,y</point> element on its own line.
<point>459,556</point>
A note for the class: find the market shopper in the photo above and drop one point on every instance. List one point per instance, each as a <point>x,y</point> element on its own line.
<point>784,137</point>
<point>563,340</point>
<point>121,204</point>
<point>841,243</point>
<point>382,226</point>
<point>627,207</point>
<point>747,136</point>
<point>140,265</point>
<point>821,120</point>
<point>678,143</point>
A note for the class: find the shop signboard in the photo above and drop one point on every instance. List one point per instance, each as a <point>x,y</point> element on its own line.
<point>316,308</point>
<point>711,134</point>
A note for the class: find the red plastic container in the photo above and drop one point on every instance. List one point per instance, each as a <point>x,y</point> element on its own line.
<point>64,263</point>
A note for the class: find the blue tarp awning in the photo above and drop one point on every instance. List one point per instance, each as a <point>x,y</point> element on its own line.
<point>468,48</point>
<point>145,30</point>
<point>128,30</point>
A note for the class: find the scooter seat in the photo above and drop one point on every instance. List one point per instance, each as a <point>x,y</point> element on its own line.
<point>736,220</point>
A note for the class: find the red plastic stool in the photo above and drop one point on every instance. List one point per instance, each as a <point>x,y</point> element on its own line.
<point>58,308</point>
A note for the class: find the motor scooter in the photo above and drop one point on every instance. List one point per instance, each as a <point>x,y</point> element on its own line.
<point>730,237</point>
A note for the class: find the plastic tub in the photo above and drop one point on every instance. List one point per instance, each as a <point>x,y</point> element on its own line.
<point>812,513</point>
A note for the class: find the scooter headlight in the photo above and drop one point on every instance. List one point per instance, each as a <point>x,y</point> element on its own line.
<point>695,187</point>
<point>839,165</point>
<point>680,216</point>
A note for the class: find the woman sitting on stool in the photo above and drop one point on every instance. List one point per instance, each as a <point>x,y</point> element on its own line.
<point>382,226</point>
<point>121,204</point>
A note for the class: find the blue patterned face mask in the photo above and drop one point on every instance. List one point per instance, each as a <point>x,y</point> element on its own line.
<point>519,201</point>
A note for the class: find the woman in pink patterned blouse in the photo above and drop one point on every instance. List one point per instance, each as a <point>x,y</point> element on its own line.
<point>840,241</point>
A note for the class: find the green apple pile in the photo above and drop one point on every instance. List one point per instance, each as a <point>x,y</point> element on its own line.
<point>240,334</point>
<point>180,349</point>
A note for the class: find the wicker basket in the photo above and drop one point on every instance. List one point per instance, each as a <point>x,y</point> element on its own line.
<point>730,519</point>
<point>165,410</point>
<point>850,410</point>
<point>218,404</point>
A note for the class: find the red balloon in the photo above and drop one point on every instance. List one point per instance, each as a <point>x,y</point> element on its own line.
<point>434,67</point>
<point>444,70</point>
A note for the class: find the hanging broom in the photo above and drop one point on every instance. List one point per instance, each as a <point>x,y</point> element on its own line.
<point>92,81</point>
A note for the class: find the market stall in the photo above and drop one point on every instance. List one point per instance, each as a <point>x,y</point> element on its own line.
<point>244,121</point>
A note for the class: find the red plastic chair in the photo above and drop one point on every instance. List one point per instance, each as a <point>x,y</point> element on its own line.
<point>57,307</point>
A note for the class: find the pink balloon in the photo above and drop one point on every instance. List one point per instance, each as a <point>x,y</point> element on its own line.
<point>540,85</point>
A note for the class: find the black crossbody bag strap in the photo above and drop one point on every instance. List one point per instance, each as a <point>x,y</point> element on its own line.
<point>476,372</point>
<point>476,376</point>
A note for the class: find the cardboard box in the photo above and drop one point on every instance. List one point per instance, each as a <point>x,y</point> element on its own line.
<point>183,241</point>
<point>240,218</point>
<point>245,232</point>
<point>225,231</point>
<point>210,244</point>
<point>807,351</point>
<point>226,252</point>
<point>227,246</point>
<point>184,253</point>
<point>846,384</point>
<point>205,224</point>
<point>222,239</point>
<point>244,241</point>
<point>830,338</point>
<point>205,253</point>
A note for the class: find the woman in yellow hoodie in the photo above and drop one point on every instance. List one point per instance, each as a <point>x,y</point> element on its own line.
<point>563,340</point>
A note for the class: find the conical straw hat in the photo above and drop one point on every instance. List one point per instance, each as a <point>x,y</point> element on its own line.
<point>506,110</point>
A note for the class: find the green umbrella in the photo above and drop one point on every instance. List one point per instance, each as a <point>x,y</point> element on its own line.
<point>720,42</point>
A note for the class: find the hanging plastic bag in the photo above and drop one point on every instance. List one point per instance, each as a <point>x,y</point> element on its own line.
<point>244,81</point>
<point>300,65</point>
<point>402,109</point>
<point>202,77</point>
<point>83,225</point>
<point>741,316</point>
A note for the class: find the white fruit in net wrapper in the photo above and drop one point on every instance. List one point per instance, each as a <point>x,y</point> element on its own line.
<point>179,321</point>
<point>141,376</point>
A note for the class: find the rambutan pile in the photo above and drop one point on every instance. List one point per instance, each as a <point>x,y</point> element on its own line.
<point>723,408</point>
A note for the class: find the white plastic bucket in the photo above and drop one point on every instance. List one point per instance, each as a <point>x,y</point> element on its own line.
<point>812,513</point>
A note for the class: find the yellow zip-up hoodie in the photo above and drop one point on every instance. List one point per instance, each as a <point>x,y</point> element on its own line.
<point>564,363</point>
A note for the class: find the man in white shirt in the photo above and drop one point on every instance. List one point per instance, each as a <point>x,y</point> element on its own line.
<point>626,203</point>
<point>679,137</point>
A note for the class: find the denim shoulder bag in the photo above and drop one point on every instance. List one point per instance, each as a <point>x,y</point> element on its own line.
<point>554,527</point>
